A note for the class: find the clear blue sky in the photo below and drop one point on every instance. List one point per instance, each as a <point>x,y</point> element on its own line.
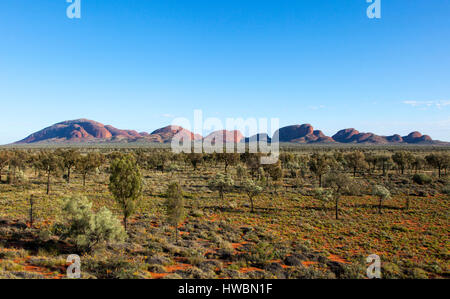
<point>135,64</point>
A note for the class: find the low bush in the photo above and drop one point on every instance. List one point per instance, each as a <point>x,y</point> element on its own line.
<point>422,179</point>
<point>87,228</point>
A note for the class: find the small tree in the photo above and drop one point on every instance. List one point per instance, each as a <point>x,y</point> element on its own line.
<point>382,193</point>
<point>241,172</point>
<point>384,161</point>
<point>221,183</point>
<point>439,161</point>
<point>319,165</point>
<point>49,163</point>
<point>69,160</point>
<point>126,185</point>
<point>4,160</point>
<point>31,212</point>
<point>16,162</point>
<point>356,160</point>
<point>340,184</point>
<point>252,189</point>
<point>403,159</point>
<point>195,159</point>
<point>275,171</point>
<point>228,159</point>
<point>175,206</point>
<point>88,163</point>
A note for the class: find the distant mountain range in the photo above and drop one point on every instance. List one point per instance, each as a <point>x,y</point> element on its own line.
<point>84,130</point>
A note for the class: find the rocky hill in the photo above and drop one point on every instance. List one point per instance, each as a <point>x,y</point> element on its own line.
<point>84,130</point>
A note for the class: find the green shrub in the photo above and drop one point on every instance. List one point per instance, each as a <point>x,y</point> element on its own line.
<point>446,190</point>
<point>422,179</point>
<point>87,228</point>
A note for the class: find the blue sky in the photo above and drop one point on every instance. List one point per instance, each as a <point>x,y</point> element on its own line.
<point>138,64</point>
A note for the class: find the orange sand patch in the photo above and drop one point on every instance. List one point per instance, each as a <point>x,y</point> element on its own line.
<point>158,275</point>
<point>238,245</point>
<point>338,259</point>
<point>176,267</point>
<point>250,269</point>
<point>308,263</point>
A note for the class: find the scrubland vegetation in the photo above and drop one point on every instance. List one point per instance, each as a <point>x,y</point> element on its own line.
<point>148,213</point>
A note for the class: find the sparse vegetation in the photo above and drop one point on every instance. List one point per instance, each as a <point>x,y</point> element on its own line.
<point>294,233</point>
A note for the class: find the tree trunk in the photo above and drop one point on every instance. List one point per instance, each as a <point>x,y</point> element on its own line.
<point>320,181</point>
<point>84,180</point>
<point>68,175</point>
<point>251,201</point>
<point>354,172</point>
<point>439,171</point>
<point>125,223</point>
<point>337,209</point>
<point>379,206</point>
<point>48,182</point>
<point>407,203</point>
<point>31,212</point>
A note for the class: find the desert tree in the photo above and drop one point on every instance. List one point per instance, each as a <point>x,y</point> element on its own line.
<point>356,160</point>
<point>4,160</point>
<point>125,183</point>
<point>252,161</point>
<point>175,206</point>
<point>438,160</point>
<point>402,159</point>
<point>384,162</point>
<point>319,164</point>
<point>252,189</point>
<point>88,163</point>
<point>221,183</point>
<point>50,164</point>
<point>275,171</point>
<point>382,193</point>
<point>228,159</point>
<point>31,201</point>
<point>195,159</point>
<point>241,172</point>
<point>371,160</point>
<point>418,163</point>
<point>340,184</point>
<point>17,161</point>
<point>158,160</point>
<point>69,160</point>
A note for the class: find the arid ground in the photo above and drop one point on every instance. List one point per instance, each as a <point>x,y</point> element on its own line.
<point>292,233</point>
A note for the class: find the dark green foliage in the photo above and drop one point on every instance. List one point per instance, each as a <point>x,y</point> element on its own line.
<point>422,179</point>
<point>175,206</point>
<point>125,183</point>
